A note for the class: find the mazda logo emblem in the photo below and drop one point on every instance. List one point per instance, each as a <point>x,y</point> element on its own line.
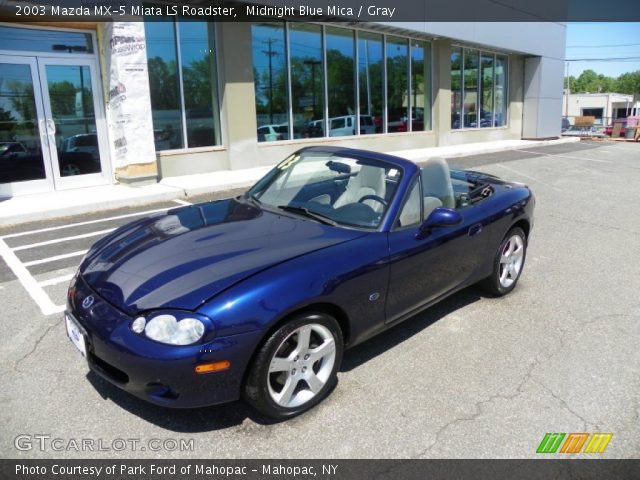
<point>88,301</point>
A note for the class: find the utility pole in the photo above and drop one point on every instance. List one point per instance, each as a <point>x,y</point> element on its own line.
<point>566,112</point>
<point>270,53</point>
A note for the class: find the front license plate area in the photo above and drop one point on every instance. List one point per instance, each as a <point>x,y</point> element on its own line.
<point>75,334</point>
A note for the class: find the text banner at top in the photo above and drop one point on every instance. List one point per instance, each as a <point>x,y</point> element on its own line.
<point>413,11</point>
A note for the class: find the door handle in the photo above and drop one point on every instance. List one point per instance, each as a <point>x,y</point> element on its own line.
<point>475,229</point>
<point>51,126</point>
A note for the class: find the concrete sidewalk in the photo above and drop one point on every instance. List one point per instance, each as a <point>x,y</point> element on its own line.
<point>45,206</point>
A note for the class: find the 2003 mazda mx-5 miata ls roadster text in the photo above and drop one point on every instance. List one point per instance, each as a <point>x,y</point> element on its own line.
<point>256,297</point>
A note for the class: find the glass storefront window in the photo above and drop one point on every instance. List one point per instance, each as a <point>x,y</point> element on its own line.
<point>270,81</point>
<point>197,54</point>
<point>334,81</point>
<point>456,88</point>
<point>182,79</point>
<point>341,96</point>
<point>307,79</point>
<point>397,84</point>
<point>501,95</point>
<point>470,96</point>
<point>420,86</point>
<point>371,78</point>
<point>479,95</point>
<point>37,40</point>
<point>486,90</point>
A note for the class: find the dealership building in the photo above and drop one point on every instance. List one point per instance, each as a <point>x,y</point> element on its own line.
<point>92,103</point>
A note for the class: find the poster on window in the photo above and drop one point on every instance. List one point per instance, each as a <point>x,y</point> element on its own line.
<point>128,101</point>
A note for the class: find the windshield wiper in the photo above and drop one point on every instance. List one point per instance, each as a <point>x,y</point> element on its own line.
<point>308,213</point>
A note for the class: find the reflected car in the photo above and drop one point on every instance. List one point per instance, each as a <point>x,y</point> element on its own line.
<point>257,297</point>
<point>83,142</point>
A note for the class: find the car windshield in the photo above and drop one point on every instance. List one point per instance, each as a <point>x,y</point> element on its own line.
<point>330,188</point>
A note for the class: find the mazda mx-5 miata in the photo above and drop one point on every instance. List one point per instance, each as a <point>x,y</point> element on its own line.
<point>256,297</point>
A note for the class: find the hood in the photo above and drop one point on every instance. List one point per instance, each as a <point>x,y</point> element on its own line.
<point>184,257</point>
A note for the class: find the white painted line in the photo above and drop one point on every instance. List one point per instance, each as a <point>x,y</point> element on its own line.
<point>88,222</point>
<point>182,202</point>
<point>565,156</point>
<point>53,259</point>
<point>56,281</point>
<point>63,239</point>
<point>513,170</point>
<point>47,307</point>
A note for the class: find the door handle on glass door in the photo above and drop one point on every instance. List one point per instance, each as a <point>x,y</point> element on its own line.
<point>51,126</point>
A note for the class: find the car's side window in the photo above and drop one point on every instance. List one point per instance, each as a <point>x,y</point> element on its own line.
<point>411,213</point>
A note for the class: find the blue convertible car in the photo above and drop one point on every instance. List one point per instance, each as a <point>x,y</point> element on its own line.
<point>257,297</point>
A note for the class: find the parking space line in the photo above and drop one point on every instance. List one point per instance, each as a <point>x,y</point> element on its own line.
<point>54,258</point>
<point>63,239</point>
<point>28,282</point>
<point>88,222</point>
<point>56,281</point>
<point>182,202</point>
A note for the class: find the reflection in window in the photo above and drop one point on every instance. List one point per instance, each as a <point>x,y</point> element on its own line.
<point>456,87</point>
<point>470,98</point>
<point>197,55</point>
<point>20,148</point>
<point>191,120</point>
<point>371,77</point>
<point>483,96</point>
<point>37,40</point>
<point>341,81</point>
<point>501,90</point>
<point>486,90</point>
<point>270,81</point>
<point>307,79</point>
<point>397,84</point>
<point>420,86</point>
<point>386,94</point>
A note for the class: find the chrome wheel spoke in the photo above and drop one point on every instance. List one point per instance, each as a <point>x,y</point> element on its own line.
<point>327,348</point>
<point>284,396</point>
<point>279,364</point>
<point>315,384</point>
<point>304,337</point>
<point>504,274</point>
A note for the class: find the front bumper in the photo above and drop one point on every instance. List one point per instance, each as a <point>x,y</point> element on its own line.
<point>160,374</point>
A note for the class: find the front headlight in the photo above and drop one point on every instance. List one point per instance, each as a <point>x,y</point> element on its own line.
<point>166,328</point>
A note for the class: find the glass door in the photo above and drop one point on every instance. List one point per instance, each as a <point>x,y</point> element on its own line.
<point>25,162</point>
<point>52,126</point>
<point>74,122</point>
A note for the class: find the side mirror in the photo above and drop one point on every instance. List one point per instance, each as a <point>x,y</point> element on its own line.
<point>438,218</point>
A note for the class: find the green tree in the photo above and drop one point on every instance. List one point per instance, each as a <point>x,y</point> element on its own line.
<point>63,98</point>
<point>629,83</point>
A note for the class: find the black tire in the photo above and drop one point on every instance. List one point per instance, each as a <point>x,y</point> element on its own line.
<point>261,385</point>
<point>493,284</point>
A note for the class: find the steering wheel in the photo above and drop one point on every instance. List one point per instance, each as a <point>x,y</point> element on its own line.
<point>373,197</point>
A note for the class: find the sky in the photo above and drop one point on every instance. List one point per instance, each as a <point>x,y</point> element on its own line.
<point>603,41</point>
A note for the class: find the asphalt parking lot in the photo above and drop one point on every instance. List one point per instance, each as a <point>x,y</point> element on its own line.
<point>473,377</point>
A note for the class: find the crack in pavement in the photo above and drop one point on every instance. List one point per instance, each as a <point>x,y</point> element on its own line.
<point>478,407</point>
<point>37,344</point>
<point>585,423</point>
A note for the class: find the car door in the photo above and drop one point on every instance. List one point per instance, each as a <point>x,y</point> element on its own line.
<point>424,267</point>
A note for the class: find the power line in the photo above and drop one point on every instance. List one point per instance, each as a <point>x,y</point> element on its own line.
<point>604,46</point>
<point>610,59</point>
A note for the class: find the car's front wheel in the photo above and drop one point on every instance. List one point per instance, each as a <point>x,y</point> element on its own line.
<point>508,263</point>
<point>296,367</point>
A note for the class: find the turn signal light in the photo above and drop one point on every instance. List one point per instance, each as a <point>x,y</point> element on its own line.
<point>212,367</point>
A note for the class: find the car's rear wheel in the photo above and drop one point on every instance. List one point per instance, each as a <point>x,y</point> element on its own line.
<point>508,263</point>
<point>297,366</point>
